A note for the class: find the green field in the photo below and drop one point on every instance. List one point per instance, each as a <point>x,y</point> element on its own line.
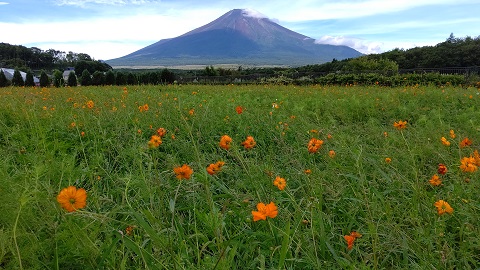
<point>367,177</point>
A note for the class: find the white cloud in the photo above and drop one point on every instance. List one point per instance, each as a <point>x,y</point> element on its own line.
<point>4,3</point>
<point>248,12</point>
<point>82,3</point>
<point>112,41</point>
<point>363,46</point>
<point>341,9</point>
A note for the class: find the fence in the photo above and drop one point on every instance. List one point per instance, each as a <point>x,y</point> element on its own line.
<point>312,76</point>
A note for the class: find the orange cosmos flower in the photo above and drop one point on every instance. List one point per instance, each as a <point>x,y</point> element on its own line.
<point>435,180</point>
<point>452,134</point>
<point>161,132</point>
<point>72,198</point>
<point>90,104</point>
<point>239,109</point>
<point>155,141</point>
<point>280,183</point>
<point>332,154</point>
<point>468,164</point>
<point>476,156</point>
<point>465,142</point>
<point>314,145</point>
<point>191,112</point>
<point>183,172</point>
<point>445,141</point>
<point>400,125</point>
<point>307,171</point>
<point>351,239</point>
<point>215,167</point>
<point>443,207</point>
<point>249,143</point>
<point>388,160</point>
<point>442,169</point>
<point>129,230</point>
<point>270,210</point>
<point>225,142</point>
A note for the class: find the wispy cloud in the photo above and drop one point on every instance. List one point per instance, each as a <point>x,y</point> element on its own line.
<point>82,3</point>
<point>361,45</point>
<point>4,3</point>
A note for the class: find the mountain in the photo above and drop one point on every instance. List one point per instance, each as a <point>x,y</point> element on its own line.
<point>241,37</point>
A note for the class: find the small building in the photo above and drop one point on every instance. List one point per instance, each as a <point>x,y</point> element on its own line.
<point>66,73</point>
<point>9,74</point>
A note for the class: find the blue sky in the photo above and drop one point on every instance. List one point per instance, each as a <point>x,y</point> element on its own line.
<point>107,29</point>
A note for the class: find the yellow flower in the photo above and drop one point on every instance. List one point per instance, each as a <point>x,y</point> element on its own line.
<point>72,198</point>
<point>280,183</point>
<point>452,134</point>
<point>183,172</point>
<point>249,143</point>
<point>400,125</point>
<point>435,180</point>
<point>443,207</point>
<point>270,210</point>
<point>445,141</point>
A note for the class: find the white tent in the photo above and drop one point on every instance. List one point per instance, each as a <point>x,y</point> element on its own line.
<point>9,74</point>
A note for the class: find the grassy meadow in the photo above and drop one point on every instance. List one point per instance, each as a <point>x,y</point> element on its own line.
<point>364,199</point>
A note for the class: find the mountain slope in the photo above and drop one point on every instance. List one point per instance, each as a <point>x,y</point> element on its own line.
<point>237,37</point>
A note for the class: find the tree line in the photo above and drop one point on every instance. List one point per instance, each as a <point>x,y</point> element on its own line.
<point>23,58</point>
<point>86,78</point>
<point>453,52</point>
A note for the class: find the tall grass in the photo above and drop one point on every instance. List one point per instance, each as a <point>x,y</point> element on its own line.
<point>51,139</point>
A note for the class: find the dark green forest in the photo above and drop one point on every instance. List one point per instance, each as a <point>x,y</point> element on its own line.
<point>34,59</point>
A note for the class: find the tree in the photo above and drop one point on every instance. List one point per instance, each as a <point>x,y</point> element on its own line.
<point>98,78</point>
<point>131,79</point>
<point>120,79</point>
<point>110,78</point>
<point>44,80</point>
<point>3,79</point>
<point>58,80</point>
<point>210,71</point>
<point>86,78</point>
<point>17,79</point>
<point>29,79</point>
<point>167,76</point>
<point>72,79</point>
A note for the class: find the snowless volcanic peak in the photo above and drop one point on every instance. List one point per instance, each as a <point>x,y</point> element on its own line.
<point>240,36</point>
